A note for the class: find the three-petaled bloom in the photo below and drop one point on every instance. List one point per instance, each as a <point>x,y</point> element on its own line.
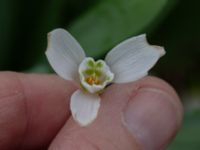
<point>128,61</point>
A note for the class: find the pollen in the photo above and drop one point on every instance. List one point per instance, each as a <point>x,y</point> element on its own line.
<point>91,80</point>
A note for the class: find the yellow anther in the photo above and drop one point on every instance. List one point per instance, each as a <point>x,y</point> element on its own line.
<point>92,80</point>
<point>97,82</point>
<point>89,80</point>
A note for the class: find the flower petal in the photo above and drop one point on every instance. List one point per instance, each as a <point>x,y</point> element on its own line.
<point>133,58</point>
<point>84,107</point>
<point>64,54</point>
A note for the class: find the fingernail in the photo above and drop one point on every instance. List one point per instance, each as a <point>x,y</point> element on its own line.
<point>151,118</point>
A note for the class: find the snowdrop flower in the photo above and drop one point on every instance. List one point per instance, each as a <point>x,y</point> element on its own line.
<point>128,61</point>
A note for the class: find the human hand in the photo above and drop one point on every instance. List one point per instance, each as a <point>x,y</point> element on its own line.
<point>35,115</point>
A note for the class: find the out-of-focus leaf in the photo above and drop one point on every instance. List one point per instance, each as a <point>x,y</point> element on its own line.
<point>32,26</point>
<point>39,68</point>
<point>7,18</point>
<point>180,34</point>
<point>189,135</point>
<point>111,21</point>
<point>51,14</point>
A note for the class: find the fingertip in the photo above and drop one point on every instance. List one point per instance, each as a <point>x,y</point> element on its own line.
<point>154,114</point>
<point>162,85</point>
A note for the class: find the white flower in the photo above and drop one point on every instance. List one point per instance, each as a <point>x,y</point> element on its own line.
<point>128,61</point>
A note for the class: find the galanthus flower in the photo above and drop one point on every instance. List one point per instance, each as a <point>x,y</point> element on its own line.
<point>128,61</point>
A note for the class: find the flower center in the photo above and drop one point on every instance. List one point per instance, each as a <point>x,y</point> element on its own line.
<point>94,75</point>
<point>92,80</point>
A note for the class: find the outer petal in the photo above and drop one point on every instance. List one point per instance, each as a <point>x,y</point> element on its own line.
<point>64,54</point>
<point>133,58</point>
<point>84,107</point>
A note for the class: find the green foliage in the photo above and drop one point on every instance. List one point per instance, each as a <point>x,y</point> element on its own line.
<point>24,25</point>
<point>179,33</point>
<point>189,136</point>
<point>7,15</point>
<point>112,21</point>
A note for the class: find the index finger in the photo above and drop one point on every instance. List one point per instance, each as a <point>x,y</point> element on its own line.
<point>32,109</point>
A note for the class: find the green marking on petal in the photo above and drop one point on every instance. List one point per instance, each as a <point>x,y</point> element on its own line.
<point>99,64</point>
<point>98,73</point>
<point>90,63</point>
<point>89,72</point>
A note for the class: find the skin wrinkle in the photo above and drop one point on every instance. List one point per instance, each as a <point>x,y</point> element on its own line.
<point>5,135</point>
<point>13,94</point>
<point>106,140</point>
<point>74,135</point>
<point>18,95</point>
<point>69,138</point>
<point>20,82</point>
<point>94,146</point>
<point>130,137</point>
<point>83,138</point>
<point>71,144</point>
<point>77,134</point>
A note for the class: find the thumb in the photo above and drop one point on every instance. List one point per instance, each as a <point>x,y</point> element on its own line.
<point>140,115</point>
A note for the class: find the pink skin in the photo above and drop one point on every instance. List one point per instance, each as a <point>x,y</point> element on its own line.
<point>34,115</point>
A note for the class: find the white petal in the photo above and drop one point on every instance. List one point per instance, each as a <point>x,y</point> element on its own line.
<point>133,58</point>
<point>84,107</point>
<point>64,54</point>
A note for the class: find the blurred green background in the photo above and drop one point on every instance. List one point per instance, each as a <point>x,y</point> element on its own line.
<point>99,25</point>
